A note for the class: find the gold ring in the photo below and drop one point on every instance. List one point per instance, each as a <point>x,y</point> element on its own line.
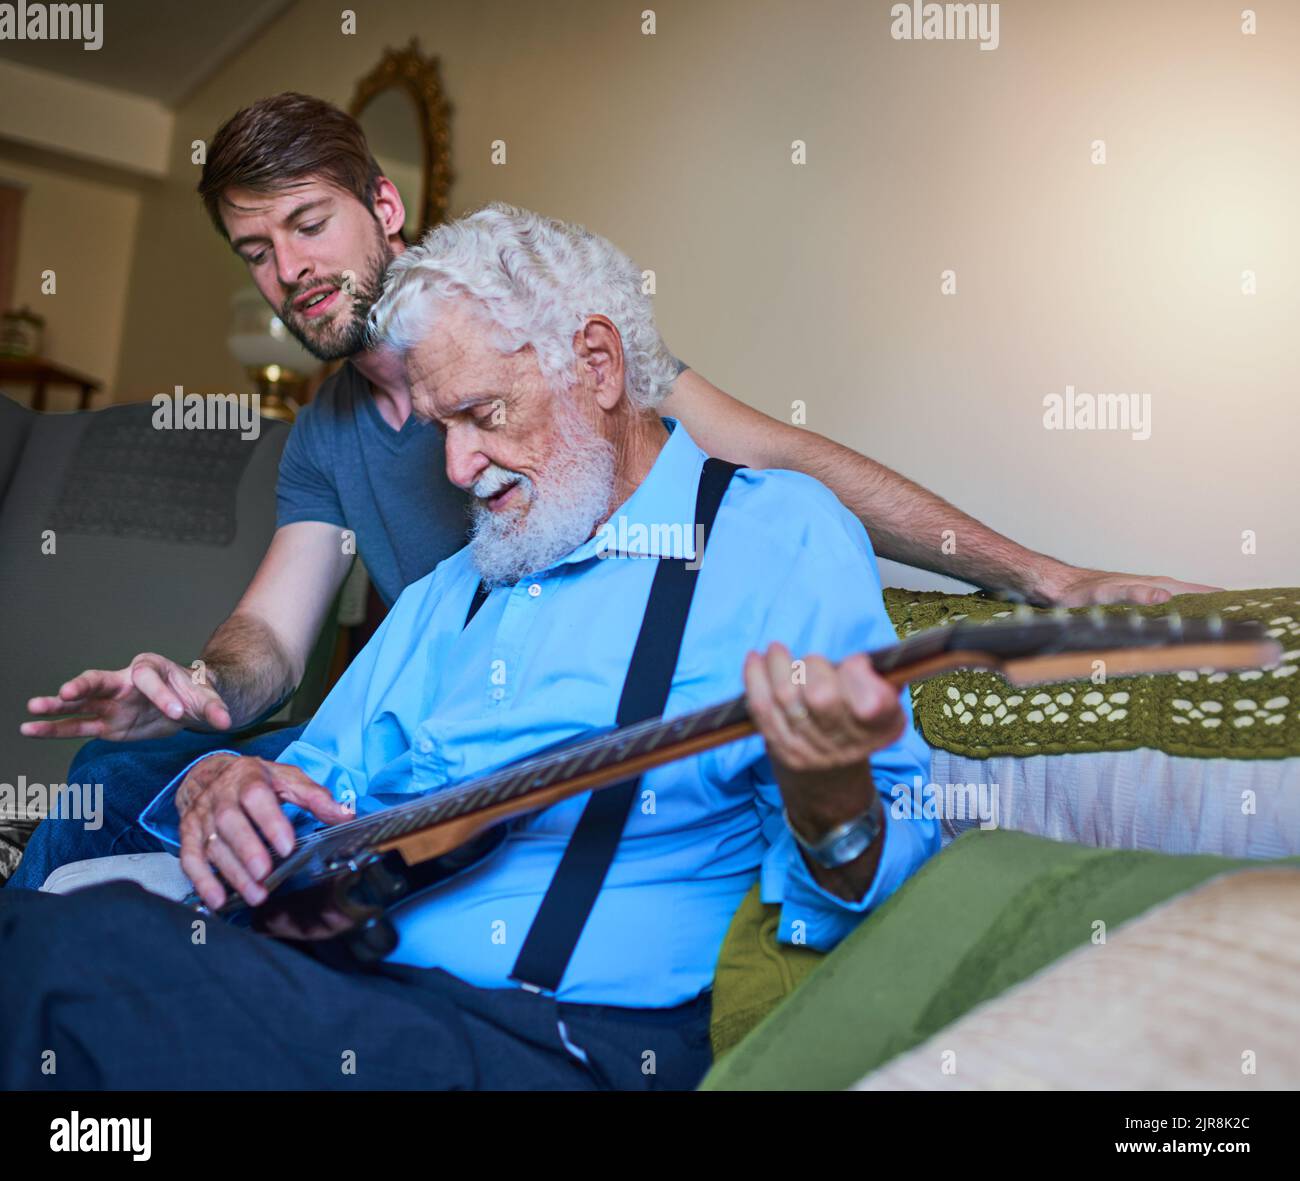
<point>798,711</point>
<point>212,836</point>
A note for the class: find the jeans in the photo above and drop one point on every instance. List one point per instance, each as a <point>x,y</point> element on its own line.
<point>132,774</point>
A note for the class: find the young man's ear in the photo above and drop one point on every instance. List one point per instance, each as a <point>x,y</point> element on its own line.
<point>600,354</point>
<point>389,208</point>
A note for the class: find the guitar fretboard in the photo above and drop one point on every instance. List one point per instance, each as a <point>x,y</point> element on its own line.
<point>517,781</point>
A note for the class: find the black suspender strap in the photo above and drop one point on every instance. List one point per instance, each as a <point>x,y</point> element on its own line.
<point>572,893</point>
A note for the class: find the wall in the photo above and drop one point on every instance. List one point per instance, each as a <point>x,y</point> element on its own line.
<point>821,282</point>
<point>80,222</point>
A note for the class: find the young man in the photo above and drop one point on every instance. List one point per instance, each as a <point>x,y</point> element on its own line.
<point>291,184</point>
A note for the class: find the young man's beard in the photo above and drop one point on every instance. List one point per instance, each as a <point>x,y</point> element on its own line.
<point>344,332</point>
<point>552,520</point>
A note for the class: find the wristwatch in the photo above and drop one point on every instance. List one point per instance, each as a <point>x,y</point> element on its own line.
<point>845,842</point>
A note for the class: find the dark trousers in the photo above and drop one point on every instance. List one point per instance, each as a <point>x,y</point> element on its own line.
<point>132,773</point>
<point>114,988</point>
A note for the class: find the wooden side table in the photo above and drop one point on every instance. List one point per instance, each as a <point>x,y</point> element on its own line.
<point>40,373</point>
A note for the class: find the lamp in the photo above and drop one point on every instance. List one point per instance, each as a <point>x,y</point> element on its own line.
<point>277,364</point>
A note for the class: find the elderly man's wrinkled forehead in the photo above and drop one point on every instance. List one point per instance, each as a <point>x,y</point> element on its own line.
<point>459,360</point>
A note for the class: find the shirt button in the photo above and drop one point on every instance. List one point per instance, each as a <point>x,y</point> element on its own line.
<point>424,746</point>
<point>535,589</point>
<point>498,693</point>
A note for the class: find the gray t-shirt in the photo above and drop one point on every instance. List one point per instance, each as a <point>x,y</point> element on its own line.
<point>344,465</point>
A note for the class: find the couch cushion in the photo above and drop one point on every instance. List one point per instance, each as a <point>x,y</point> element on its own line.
<point>1196,994</point>
<point>164,485</point>
<point>100,598</point>
<point>988,912</point>
<point>755,972</point>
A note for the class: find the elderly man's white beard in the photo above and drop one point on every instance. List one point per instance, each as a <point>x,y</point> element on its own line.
<point>551,520</point>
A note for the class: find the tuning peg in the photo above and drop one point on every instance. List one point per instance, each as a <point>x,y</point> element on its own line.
<point>1174,621</point>
<point>1097,616</point>
<point>1022,611</point>
<point>1214,624</point>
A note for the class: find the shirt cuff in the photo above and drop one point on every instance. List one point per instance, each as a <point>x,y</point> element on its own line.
<point>812,916</point>
<point>160,818</point>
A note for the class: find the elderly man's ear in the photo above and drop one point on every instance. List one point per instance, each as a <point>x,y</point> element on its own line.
<point>599,349</point>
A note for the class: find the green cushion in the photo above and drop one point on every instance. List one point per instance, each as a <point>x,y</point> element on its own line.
<point>991,910</point>
<point>755,973</point>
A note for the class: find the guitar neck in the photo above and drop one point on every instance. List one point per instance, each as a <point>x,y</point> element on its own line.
<point>545,778</point>
<point>1059,645</point>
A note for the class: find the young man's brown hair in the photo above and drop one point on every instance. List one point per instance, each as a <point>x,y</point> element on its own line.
<point>276,141</point>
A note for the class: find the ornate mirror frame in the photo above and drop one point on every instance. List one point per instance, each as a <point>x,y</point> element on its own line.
<point>409,70</point>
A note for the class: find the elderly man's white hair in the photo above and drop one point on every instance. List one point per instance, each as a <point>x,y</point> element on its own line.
<point>536,280</point>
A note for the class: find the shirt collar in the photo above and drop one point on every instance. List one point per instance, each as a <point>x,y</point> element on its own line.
<point>658,519</point>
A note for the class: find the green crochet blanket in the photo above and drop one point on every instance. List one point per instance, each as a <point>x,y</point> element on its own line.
<point>1254,714</point>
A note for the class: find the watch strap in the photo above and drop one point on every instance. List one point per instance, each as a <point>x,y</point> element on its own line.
<point>845,842</point>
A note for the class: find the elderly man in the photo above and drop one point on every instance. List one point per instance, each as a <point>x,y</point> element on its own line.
<point>531,346</point>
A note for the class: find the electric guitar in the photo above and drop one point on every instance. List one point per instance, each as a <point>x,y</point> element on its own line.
<point>359,869</point>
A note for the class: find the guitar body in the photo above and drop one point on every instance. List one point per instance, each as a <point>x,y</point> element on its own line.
<point>361,894</point>
<point>359,884</point>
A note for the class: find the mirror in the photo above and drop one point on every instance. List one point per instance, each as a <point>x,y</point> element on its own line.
<point>393,132</point>
<point>401,108</point>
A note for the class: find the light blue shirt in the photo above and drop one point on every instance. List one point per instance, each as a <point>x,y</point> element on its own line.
<point>429,703</point>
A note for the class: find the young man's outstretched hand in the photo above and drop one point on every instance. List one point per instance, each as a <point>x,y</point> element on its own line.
<point>151,698</point>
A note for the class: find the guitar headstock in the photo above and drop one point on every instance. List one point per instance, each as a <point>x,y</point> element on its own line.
<point>1031,648</point>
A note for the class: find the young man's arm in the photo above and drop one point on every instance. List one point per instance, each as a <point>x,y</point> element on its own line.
<point>253,660</point>
<point>905,521</point>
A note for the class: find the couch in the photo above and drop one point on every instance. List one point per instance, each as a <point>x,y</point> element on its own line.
<point>116,538</point>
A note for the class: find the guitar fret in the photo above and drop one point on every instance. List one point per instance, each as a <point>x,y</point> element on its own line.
<point>387,830</point>
<point>420,816</point>
<point>511,787</point>
<point>577,768</point>
<point>681,728</point>
<point>729,713</point>
<point>548,775</point>
<point>653,739</point>
<point>492,793</point>
<point>512,782</point>
<point>454,805</point>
